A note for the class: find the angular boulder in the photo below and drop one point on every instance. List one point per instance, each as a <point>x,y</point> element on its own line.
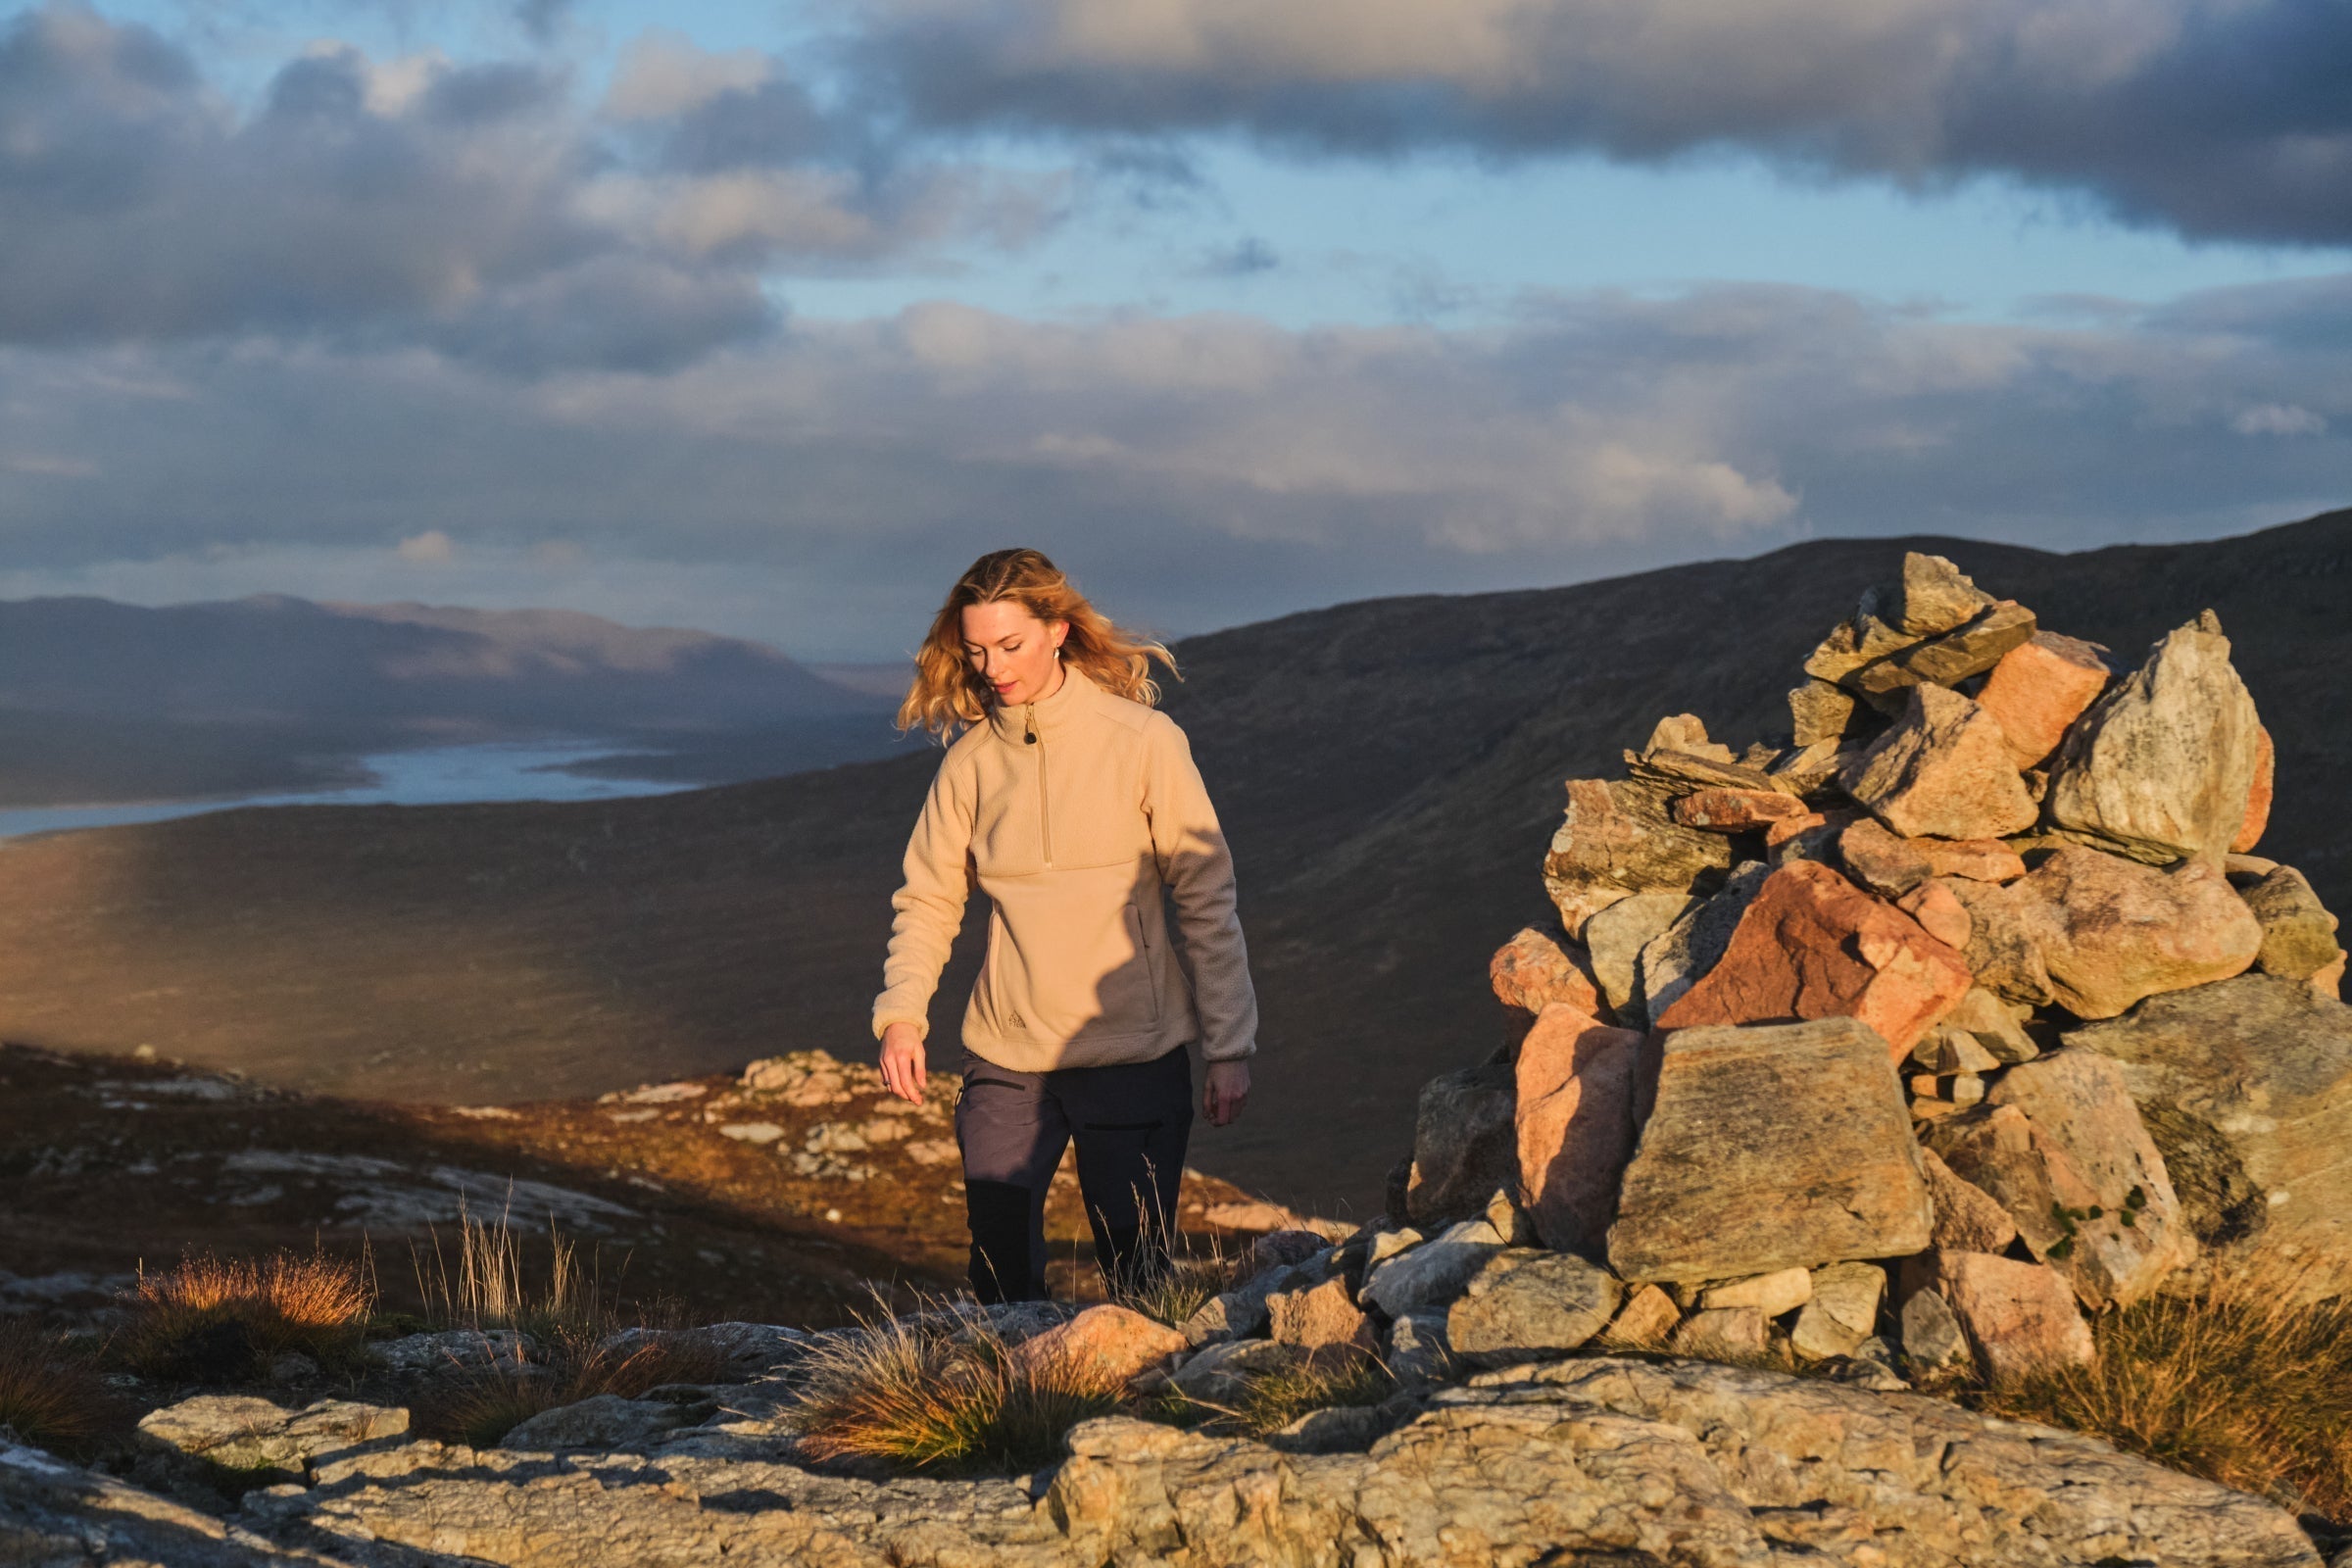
<point>1723,1334</point>
<point>2246,1088</point>
<point>1782,1290</point>
<point>1968,1218</point>
<point>1990,1022</point>
<point>1577,1083</point>
<point>2164,765</point>
<point>1320,1317</point>
<point>1681,956</point>
<point>1820,710</point>
<point>2020,1319</point>
<point>1616,937</point>
<point>1647,1317</point>
<point>1814,946</point>
<point>1888,863</point>
<point>2298,934</point>
<point>2038,691</point>
<point>1617,839</point>
<point>2124,1232</point>
<point>1932,1335</point>
<point>1726,811</point>
<point>1538,967</point>
<point>1946,660</point>
<point>1524,1303</point>
<point>2112,930</point>
<point>1934,596</point>
<point>1841,1311</point>
<point>1768,1148</point>
<point>1943,770</point>
<point>2001,952</point>
<point>1464,1144</point>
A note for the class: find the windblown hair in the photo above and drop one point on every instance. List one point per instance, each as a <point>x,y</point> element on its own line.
<point>949,694</point>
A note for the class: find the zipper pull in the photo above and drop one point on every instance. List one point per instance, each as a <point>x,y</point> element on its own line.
<point>1031,737</point>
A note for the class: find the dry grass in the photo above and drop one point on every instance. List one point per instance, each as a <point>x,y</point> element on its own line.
<point>1278,1398</point>
<point>487,1286</point>
<point>934,1393</point>
<point>2247,1385</point>
<point>481,1407</point>
<point>215,1319</point>
<point>569,1323</point>
<point>1181,1288</point>
<point>50,1398</point>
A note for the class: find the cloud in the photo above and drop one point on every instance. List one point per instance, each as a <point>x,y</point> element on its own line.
<point>431,548</point>
<point>2214,118</point>
<point>2276,419</point>
<point>474,208</point>
<point>1198,471</point>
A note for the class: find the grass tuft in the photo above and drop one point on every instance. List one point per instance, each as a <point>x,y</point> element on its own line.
<point>934,1392</point>
<point>1174,1294</point>
<point>568,1324</point>
<point>214,1319</point>
<point>1277,1398</point>
<point>487,1286</point>
<point>2249,1384</point>
<point>51,1399</point>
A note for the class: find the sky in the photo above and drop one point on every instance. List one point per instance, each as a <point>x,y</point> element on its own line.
<point>768,318</point>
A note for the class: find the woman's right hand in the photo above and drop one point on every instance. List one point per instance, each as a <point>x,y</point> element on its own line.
<point>902,1062</point>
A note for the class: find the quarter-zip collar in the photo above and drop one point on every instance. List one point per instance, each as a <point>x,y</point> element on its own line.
<point>1047,715</point>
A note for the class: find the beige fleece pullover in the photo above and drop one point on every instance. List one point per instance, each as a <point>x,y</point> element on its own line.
<point>1073,813</point>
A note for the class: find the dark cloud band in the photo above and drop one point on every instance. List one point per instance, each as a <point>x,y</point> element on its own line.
<point>2216,118</point>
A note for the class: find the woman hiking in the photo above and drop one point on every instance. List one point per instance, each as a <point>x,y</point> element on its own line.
<point>1072,803</point>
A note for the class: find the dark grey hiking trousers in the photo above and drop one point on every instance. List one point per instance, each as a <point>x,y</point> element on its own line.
<point>1131,1123</point>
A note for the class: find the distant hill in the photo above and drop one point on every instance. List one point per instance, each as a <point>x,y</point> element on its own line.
<point>1387,771</point>
<point>105,701</point>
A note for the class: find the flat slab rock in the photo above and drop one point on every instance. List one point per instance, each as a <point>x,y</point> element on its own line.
<point>1767,1148</point>
<point>1690,1463</point>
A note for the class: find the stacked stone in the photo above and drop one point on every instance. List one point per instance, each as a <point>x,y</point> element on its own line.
<point>1958,1011</point>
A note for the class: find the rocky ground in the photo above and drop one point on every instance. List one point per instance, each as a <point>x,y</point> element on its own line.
<point>1608,1459</point>
<point>786,1202</point>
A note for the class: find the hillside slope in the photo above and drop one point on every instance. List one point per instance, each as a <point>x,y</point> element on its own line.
<point>1387,771</point>
<point>107,701</point>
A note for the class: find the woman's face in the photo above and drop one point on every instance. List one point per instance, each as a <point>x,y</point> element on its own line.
<point>1012,650</point>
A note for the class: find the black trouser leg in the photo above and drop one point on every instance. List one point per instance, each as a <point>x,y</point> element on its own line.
<point>1132,1123</point>
<point>1012,1131</point>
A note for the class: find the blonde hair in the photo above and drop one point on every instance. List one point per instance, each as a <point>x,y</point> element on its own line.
<point>948,692</point>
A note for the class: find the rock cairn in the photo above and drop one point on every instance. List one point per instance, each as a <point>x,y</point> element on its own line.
<point>1959,1010</point>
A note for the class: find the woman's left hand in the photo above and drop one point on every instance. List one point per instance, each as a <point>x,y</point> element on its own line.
<point>1227,1091</point>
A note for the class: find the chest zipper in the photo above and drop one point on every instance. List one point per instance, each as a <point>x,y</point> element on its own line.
<point>1045,816</point>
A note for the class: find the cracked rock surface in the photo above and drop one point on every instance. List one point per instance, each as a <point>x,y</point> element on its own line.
<point>1604,1459</point>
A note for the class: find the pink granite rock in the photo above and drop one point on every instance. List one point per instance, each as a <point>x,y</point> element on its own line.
<point>2020,1319</point>
<point>1943,770</point>
<point>1102,1347</point>
<point>2038,690</point>
<point>1814,946</point>
<point>1578,1079</point>
<point>2111,931</point>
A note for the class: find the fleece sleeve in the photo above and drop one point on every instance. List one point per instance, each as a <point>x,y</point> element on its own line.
<point>929,903</point>
<point>1197,868</point>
